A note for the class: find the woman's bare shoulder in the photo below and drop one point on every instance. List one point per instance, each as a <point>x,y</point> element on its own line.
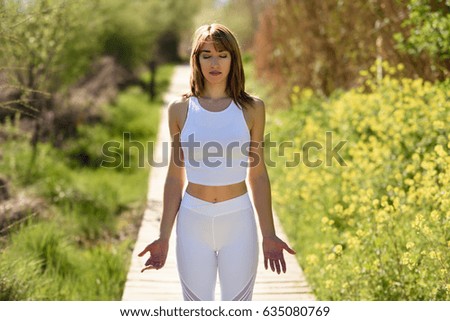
<point>178,107</point>
<point>177,110</point>
<point>178,103</point>
<point>257,102</point>
<point>257,106</point>
<point>255,113</point>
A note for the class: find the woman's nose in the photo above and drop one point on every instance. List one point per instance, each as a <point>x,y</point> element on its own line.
<point>214,61</point>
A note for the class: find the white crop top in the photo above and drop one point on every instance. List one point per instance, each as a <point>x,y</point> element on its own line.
<point>215,145</point>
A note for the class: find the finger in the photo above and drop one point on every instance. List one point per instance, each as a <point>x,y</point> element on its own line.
<point>147,249</point>
<point>266,262</point>
<point>283,264</point>
<point>149,267</point>
<point>153,264</point>
<point>277,265</point>
<point>272,265</point>
<point>288,249</point>
<point>144,251</point>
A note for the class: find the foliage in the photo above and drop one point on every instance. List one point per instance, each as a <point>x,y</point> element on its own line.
<point>323,44</point>
<point>79,247</point>
<point>240,16</point>
<point>44,42</point>
<point>126,120</point>
<point>48,44</point>
<point>429,23</point>
<point>133,30</point>
<point>377,226</point>
<point>42,264</point>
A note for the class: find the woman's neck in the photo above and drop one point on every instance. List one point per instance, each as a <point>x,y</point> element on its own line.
<point>214,92</point>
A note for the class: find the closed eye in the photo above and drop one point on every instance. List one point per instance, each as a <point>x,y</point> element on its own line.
<point>221,56</point>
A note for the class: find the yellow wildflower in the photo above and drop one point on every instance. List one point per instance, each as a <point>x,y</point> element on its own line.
<point>312,259</point>
<point>410,245</point>
<point>329,284</point>
<point>434,215</point>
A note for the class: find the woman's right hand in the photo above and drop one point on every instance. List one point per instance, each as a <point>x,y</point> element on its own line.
<point>158,253</point>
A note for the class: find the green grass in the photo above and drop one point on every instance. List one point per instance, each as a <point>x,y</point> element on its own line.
<point>79,245</point>
<point>43,263</point>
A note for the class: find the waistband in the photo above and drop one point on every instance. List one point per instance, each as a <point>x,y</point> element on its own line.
<point>235,204</point>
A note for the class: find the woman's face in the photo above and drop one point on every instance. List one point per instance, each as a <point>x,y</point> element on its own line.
<point>215,65</point>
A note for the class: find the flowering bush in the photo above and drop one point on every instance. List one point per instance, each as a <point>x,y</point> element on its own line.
<point>378,226</point>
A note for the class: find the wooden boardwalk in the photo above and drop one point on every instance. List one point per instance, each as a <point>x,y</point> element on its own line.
<point>164,285</point>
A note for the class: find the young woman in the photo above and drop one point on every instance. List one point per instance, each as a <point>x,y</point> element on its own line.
<point>217,133</point>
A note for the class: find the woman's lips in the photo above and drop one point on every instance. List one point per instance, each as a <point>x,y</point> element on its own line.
<point>215,73</point>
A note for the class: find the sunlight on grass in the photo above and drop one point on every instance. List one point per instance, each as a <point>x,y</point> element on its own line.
<point>79,245</point>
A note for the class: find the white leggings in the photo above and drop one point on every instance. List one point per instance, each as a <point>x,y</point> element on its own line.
<point>217,237</point>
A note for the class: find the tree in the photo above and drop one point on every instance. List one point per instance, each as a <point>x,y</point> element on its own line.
<point>43,49</point>
<point>324,44</point>
<point>428,33</point>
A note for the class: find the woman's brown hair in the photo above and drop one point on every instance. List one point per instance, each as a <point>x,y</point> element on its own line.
<point>223,39</point>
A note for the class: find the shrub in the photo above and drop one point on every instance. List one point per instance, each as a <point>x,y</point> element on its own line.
<point>377,228</point>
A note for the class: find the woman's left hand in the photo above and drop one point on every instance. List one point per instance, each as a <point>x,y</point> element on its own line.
<point>273,253</point>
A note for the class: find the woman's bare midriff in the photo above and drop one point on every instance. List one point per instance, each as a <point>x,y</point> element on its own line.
<point>215,194</point>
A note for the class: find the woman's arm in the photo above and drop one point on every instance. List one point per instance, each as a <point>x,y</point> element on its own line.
<point>174,184</point>
<point>173,189</point>
<point>260,185</point>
